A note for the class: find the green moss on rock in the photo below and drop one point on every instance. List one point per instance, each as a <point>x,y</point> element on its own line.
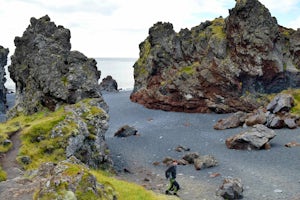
<point>45,135</point>
<point>189,70</point>
<point>70,179</point>
<point>3,175</point>
<point>140,67</point>
<point>217,28</point>
<point>296,95</point>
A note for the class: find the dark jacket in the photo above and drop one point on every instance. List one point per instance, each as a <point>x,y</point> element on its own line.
<point>171,172</point>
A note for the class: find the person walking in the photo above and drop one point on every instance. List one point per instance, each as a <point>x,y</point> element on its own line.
<point>171,175</point>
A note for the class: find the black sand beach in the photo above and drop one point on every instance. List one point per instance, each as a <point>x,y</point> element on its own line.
<point>265,174</point>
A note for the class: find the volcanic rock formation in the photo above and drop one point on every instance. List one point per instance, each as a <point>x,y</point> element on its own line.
<point>46,72</point>
<point>219,65</point>
<point>3,62</point>
<point>108,84</point>
<point>48,75</point>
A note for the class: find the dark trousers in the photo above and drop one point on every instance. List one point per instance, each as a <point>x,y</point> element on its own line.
<point>174,186</point>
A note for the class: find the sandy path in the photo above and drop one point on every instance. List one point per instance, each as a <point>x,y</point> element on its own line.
<point>266,174</point>
<point>8,160</point>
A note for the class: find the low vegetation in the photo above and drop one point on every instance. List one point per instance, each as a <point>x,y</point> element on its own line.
<point>39,146</point>
<point>296,94</point>
<point>127,190</point>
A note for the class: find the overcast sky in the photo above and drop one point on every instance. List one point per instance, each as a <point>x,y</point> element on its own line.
<point>114,28</point>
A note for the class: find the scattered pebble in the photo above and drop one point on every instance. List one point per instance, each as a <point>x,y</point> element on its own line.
<point>213,175</point>
<point>278,191</point>
<point>48,184</point>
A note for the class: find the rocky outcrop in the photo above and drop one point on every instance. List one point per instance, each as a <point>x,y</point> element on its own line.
<point>68,179</point>
<point>73,130</point>
<point>46,72</point>
<point>108,84</point>
<point>48,75</point>
<point>219,65</point>
<point>3,62</point>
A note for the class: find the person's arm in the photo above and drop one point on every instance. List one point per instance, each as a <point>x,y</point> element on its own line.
<point>168,172</point>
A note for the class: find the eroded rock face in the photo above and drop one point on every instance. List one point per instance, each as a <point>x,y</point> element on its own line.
<point>3,62</point>
<point>68,179</point>
<point>108,84</point>
<point>214,66</point>
<point>46,72</point>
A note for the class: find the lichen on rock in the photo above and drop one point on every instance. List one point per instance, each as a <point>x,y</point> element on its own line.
<point>70,179</point>
<point>74,130</point>
<point>46,72</point>
<point>217,63</point>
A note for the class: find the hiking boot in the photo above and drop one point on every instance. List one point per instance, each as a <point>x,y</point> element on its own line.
<point>167,192</point>
<point>175,193</point>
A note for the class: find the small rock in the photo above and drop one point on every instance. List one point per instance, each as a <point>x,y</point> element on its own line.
<point>292,144</point>
<point>126,131</point>
<point>180,148</point>
<point>7,142</point>
<point>156,163</point>
<point>25,160</point>
<point>167,160</point>
<point>214,175</point>
<point>278,191</point>
<point>190,157</point>
<point>203,162</point>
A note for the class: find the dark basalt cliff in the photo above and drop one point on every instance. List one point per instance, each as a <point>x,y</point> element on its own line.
<point>46,72</point>
<point>48,75</point>
<point>220,65</point>
<point>3,62</point>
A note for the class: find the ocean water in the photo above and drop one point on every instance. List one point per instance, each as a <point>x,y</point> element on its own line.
<point>121,69</point>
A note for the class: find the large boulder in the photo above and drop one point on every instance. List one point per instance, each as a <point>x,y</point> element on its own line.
<point>3,62</point>
<point>46,72</point>
<point>231,189</point>
<point>219,65</point>
<point>256,138</point>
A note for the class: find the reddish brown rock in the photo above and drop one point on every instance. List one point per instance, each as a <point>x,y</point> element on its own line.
<point>219,66</point>
<point>233,121</point>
